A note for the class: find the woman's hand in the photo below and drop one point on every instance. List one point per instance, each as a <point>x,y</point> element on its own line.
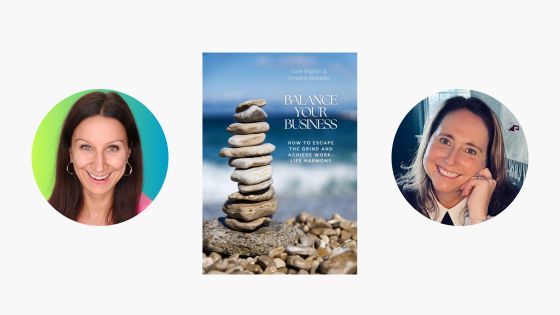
<point>478,191</point>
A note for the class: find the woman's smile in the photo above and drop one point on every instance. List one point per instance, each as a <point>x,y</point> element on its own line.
<point>447,173</point>
<point>99,179</point>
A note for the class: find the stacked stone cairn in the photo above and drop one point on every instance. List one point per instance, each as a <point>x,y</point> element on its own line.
<point>253,205</point>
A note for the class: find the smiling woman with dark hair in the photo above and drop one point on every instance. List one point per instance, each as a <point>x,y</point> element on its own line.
<point>99,162</point>
<point>458,176</point>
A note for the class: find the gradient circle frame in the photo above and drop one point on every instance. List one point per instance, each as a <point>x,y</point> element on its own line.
<point>154,145</point>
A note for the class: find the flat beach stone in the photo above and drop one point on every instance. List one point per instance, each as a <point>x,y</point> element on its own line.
<point>307,240</point>
<point>255,197</point>
<point>245,189</point>
<point>297,262</point>
<point>301,250</point>
<point>340,263</point>
<point>257,150</point>
<point>248,128</point>
<point>247,226</point>
<point>244,105</point>
<point>253,175</point>
<point>244,163</point>
<point>250,211</point>
<point>246,140</point>
<point>251,114</point>
<point>276,252</point>
<point>218,238</point>
<point>264,261</point>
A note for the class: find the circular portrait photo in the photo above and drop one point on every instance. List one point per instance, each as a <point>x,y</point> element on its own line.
<point>99,157</point>
<point>459,157</point>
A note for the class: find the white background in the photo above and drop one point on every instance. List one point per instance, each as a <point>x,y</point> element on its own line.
<point>153,52</point>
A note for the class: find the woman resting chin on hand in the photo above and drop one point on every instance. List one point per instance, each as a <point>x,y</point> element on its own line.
<point>458,176</point>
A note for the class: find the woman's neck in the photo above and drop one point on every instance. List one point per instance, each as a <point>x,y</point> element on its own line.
<point>448,200</point>
<point>96,209</point>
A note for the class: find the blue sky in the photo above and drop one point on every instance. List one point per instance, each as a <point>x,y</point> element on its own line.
<point>230,78</point>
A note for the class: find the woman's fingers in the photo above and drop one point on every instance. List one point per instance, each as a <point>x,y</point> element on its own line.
<point>468,187</point>
<point>479,190</point>
<point>485,173</point>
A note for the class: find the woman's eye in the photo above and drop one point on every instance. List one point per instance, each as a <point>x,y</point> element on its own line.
<point>444,141</point>
<point>471,151</point>
<point>86,147</point>
<point>113,148</point>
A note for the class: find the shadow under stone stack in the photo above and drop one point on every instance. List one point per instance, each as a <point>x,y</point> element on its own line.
<point>254,204</point>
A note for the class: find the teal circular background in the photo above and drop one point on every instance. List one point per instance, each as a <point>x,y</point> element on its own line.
<point>154,146</point>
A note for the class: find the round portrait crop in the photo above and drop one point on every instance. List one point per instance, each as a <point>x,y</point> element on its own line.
<point>459,157</point>
<point>99,157</point>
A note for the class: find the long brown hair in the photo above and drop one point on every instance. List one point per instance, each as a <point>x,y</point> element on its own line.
<point>415,180</point>
<point>67,195</point>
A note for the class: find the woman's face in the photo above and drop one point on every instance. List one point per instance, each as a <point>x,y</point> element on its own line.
<point>456,152</point>
<point>99,152</point>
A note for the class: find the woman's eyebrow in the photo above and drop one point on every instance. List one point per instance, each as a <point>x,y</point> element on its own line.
<point>118,140</point>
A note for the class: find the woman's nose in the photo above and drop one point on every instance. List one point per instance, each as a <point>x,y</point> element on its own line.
<point>99,162</point>
<point>451,157</point>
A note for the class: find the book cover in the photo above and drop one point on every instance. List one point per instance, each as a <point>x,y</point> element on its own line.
<point>279,163</point>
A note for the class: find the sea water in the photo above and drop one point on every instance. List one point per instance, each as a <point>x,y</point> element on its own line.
<point>320,188</point>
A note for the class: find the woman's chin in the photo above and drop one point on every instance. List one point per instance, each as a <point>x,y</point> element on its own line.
<point>97,190</point>
<point>446,190</point>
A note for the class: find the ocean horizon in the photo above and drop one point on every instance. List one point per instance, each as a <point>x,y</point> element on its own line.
<point>318,188</point>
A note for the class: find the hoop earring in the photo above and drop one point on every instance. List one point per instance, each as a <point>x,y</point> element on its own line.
<point>128,174</point>
<point>68,169</point>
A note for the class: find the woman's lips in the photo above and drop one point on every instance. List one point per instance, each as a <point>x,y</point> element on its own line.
<point>447,173</point>
<point>98,178</point>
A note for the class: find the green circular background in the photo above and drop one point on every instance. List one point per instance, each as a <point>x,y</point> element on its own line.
<point>154,145</point>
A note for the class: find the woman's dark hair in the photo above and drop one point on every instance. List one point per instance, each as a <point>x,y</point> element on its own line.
<point>416,180</point>
<point>67,195</point>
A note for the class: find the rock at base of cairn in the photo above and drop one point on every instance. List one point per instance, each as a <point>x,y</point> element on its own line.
<point>219,238</point>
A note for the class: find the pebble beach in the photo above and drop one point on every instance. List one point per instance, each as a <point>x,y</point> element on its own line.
<point>323,246</point>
